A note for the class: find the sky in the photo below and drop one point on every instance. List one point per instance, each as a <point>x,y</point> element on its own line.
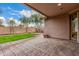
<point>14,11</point>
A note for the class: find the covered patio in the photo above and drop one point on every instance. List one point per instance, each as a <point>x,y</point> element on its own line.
<point>56,39</point>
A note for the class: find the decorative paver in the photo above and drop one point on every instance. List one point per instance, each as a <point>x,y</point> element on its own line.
<point>39,46</point>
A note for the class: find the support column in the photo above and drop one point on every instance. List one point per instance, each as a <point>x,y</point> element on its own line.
<point>78,28</point>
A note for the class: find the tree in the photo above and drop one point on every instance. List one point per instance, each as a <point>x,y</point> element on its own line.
<point>20,26</point>
<point>11,25</point>
<point>25,21</point>
<point>37,19</point>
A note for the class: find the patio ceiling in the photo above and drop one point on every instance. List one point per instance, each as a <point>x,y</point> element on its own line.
<point>52,9</point>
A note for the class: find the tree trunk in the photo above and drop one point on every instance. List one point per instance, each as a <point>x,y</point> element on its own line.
<point>13,29</point>
<point>26,29</point>
<point>10,29</point>
<point>37,30</point>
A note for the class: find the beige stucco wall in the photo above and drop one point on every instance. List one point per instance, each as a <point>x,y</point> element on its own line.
<point>58,27</point>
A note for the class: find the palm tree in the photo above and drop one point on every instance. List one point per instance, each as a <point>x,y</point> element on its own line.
<point>11,24</point>
<point>25,21</point>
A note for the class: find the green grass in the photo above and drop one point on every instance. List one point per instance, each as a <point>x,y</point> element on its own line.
<point>11,38</point>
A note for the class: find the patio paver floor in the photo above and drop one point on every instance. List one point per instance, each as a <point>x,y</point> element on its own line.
<point>39,46</point>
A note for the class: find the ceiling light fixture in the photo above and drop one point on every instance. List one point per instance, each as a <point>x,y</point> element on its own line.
<point>59,4</point>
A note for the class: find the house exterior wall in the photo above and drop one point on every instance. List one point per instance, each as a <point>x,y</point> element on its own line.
<point>58,27</point>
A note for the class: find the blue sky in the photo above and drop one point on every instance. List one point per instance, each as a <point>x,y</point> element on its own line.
<point>14,11</point>
<point>9,10</point>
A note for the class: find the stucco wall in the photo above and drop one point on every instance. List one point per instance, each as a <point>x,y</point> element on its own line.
<point>58,27</point>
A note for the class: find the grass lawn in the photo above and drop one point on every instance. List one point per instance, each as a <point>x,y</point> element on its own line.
<point>15,37</point>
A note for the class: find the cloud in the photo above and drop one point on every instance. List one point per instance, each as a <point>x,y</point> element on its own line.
<point>11,18</point>
<point>15,10</point>
<point>12,9</point>
<point>16,21</point>
<point>25,13</point>
<point>9,7</point>
<point>28,13</point>
<point>34,12</point>
<point>3,20</point>
<point>13,14</point>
